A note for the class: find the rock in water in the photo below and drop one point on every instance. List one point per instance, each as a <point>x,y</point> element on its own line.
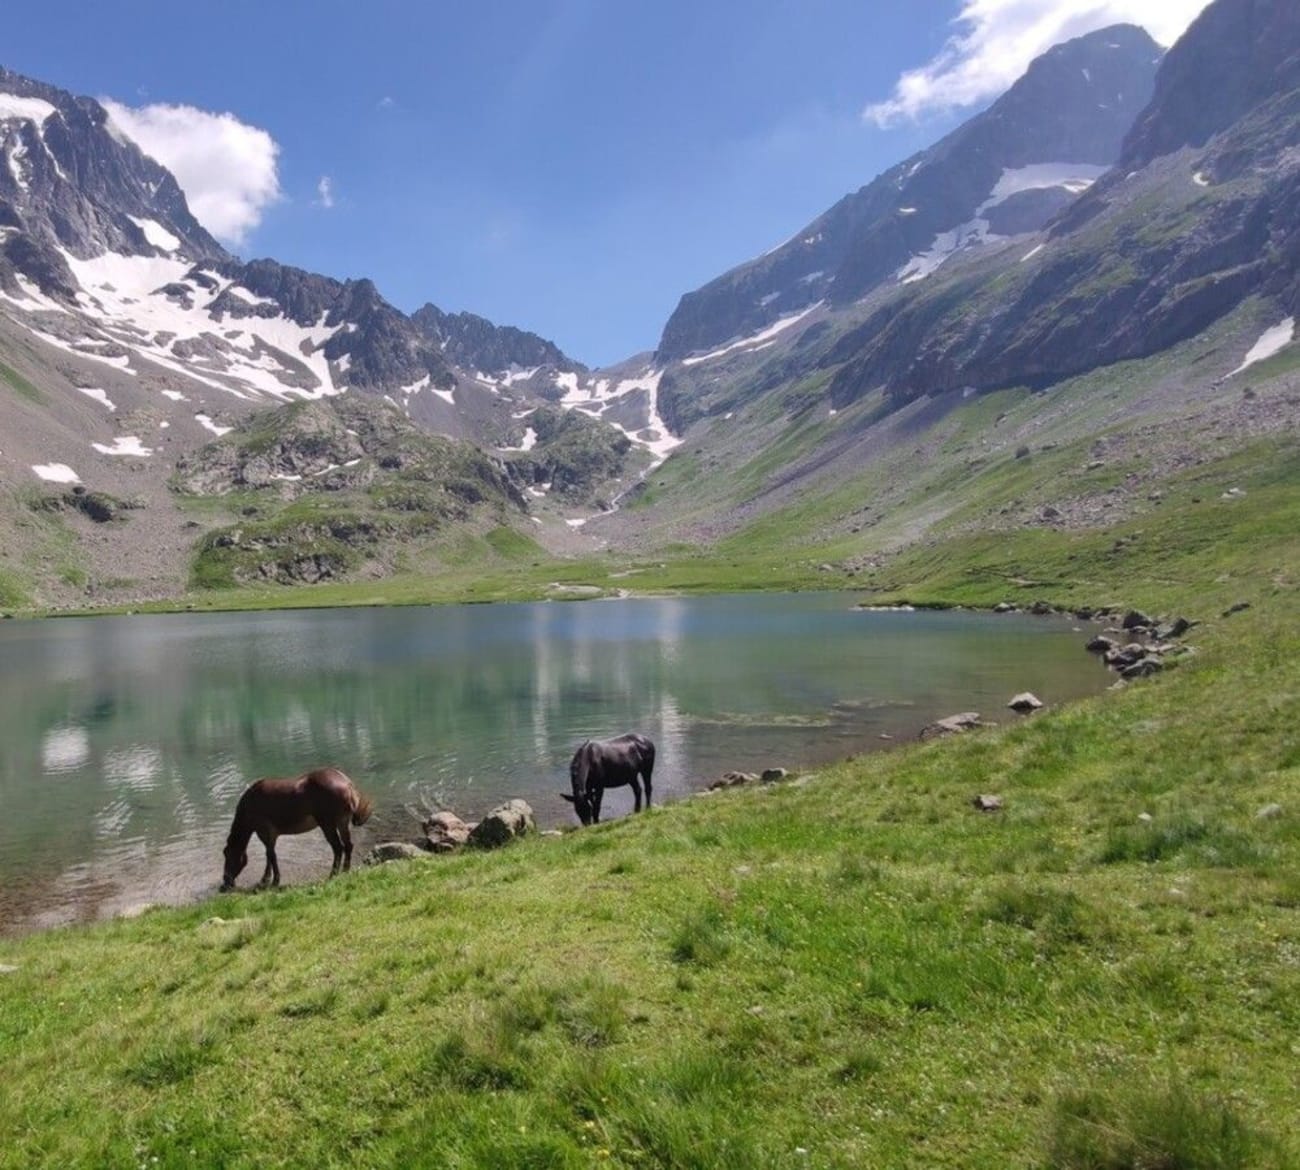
<point>1026,702</point>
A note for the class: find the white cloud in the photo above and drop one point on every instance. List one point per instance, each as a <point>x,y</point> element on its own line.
<point>226,168</point>
<point>325,192</point>
<point>997,39</point>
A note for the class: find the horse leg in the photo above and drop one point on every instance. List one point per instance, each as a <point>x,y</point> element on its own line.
<point>636,793</point>
<point>649,768</point>
<point>345,834</point>
<point>595,795</point>
<point>332,836</point>
<point>271,874</point>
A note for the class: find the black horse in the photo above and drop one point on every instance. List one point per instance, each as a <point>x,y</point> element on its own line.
<point>609,763</point>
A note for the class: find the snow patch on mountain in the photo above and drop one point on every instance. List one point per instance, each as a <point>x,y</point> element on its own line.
<point>161,309</point>
<point>56,473</point>
<point>1272,342</point>
<point>1072,177</point>
<point>156,234</point>
<point>25,108</point>
<point>98,395</point>
<point>124,445</point>
<point>601,396</point>
<point>754,341</point>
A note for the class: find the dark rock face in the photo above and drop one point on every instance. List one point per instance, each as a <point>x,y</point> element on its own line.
<point>474,343</point>
<point>575,454</point>
<point>1075,104</point>
<point>378,479</point>
<point>1146,258</point>
<point>1238,55</point>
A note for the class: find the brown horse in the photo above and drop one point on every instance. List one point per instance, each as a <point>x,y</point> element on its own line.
<point>324,799</point>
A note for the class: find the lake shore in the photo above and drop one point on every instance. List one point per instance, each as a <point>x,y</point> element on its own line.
<point>456,709</point>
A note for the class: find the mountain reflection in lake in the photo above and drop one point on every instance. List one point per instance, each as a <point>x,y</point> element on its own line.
<point>127,740</point>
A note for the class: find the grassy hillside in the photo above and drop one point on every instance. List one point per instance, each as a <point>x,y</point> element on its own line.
<point>856,969</point>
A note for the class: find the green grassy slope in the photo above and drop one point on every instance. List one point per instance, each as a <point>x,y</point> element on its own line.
<point>855,970</point>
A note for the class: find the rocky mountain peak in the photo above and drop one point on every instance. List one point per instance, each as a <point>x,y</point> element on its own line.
<point>72,185</point>
<point>475,343</point>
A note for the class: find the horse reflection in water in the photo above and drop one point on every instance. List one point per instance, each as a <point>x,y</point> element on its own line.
<point>609,763</point>
<point>325,799</point>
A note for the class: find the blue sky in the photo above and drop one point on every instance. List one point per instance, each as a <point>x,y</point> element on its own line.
<point>567,166</point>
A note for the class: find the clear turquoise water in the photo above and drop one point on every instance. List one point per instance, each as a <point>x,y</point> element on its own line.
<point>127,740</point>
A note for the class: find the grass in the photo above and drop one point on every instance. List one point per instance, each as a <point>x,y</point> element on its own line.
<point>855,970</point>
<point>21,386</point>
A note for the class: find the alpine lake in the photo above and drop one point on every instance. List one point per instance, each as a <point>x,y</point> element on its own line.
<point>127,740</point>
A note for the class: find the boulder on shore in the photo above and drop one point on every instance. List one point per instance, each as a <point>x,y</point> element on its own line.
<point>734,780</point>
<point>504,824</point>
<point>1026,702</point>
<point>1142,668</point>
<point>446,832</point>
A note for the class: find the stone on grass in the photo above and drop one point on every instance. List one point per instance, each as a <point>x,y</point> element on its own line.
<point>1240,607</point>
<point>7,969</point>
<point>953,725</point>
<point>1026,702</point>
<point>986,802</point>
<point>772,775</point>
<point>394,851</point>
<point>1143,668</point>
<point>504,824</point>
<point>1135,619</point>
<point>1270,812</point>
<point>446,832</point>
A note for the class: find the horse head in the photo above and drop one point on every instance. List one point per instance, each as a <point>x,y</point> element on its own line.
<point>235,863</point>
<point>579,771</point>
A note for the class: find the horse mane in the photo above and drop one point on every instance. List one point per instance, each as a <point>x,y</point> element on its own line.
<point>361,813</point>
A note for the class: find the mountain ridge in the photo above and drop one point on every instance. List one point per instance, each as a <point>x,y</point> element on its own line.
<point>870,235</point>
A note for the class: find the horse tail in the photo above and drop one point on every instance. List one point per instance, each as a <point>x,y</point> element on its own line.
<point>362,810</point>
